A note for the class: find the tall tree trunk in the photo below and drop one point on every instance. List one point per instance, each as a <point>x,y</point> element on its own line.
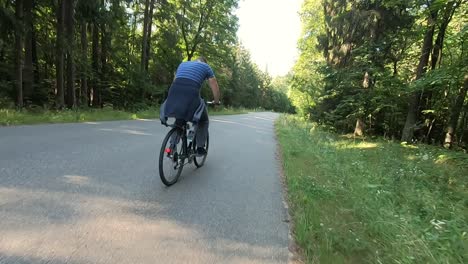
<point>83,99</point>
<point>2,50</point>
<point>70,33</point>
<point>325,44</point>
<point>359,129</point>
<point>134,44</point>
<point>439,43</point>
<point>34,58</point>
<point>413,106</point>
<point>48,61</point>
<point>149,27</point>
<point>28,76</point>
<point>104,67</point>
<point>60,96</point>
<point>144,42</point>
<point>395,67</point>
<point>463,135</point>
<point>95,64</point>
<point>19,53</point>
<point>455,114</point>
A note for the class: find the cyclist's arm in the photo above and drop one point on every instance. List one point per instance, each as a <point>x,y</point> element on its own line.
<point>215,89</point>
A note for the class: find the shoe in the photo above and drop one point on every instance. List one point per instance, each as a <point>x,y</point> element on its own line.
<point>201,152</point>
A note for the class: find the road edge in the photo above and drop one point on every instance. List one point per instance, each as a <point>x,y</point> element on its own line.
<point>294,255</point>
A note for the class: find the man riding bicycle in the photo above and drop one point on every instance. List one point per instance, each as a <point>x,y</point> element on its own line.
<point>184,102</point>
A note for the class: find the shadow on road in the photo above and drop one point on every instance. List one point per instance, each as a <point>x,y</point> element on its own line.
<point>229,211</point>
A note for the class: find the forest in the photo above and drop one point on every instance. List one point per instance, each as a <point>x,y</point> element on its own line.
<point>72,54</point>
<point>391,68</point>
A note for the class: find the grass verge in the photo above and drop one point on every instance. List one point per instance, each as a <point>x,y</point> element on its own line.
<point>23,117</point>
<point>355,201</point>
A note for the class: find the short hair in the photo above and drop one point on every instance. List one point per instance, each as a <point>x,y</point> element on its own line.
<point>202,59</point>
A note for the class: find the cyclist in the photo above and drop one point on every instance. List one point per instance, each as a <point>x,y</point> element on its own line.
<point>184,102</point>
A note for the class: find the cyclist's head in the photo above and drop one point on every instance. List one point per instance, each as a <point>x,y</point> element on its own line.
<point>202,59</point>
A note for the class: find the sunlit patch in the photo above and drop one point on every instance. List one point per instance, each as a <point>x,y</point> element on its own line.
<point>406,145</point>
<point>366,145</point>
<point>239,124</point>
<point>224,121</point>
<point>442,159</point>
<point>348,136</point>
<point>126,131</point>
<point>91,123</point>
<point>9,195</point>
<point>263,118</point>
<point>75,179</point>
<point>135,132</point>
<point>362,145</point>
<point>411,157</point>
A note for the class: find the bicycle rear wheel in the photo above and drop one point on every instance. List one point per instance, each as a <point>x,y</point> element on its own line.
<point>200,161</point>
<point>171,157</point>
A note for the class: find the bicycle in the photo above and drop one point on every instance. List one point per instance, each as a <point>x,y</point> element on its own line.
<point>179,149</point>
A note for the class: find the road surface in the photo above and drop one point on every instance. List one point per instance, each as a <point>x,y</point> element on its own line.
<point>91,193</point>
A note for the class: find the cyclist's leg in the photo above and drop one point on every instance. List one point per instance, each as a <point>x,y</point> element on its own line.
<point>176,137</point>
<point>202,129</point>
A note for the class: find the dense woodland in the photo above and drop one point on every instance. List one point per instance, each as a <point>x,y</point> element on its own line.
<point>59,54</point>
<point>395,68</point>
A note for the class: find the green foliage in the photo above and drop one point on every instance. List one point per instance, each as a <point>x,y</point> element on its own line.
<point>358,61</point>
<point>108,46</point>
<point>384,203</point>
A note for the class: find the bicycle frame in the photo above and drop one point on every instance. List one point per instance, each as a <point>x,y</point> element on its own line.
<point>187,149</point>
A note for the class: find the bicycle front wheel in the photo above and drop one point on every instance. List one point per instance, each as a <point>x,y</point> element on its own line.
<point>171,157</point>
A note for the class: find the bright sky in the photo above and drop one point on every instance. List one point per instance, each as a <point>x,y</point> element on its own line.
<point>269,29</point>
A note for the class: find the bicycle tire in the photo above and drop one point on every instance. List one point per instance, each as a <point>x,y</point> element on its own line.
<point>200,161</point>
<point>162,153</point>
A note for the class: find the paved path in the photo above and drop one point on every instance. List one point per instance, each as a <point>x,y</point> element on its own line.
<point>90,193</point>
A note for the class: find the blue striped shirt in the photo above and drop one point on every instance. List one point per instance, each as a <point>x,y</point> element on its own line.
<point>194,70</point>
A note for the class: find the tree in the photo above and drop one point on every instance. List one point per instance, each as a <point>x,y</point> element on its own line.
<point>366,66</point>
<point>147,26</point>
<point>455,113</point>
<point>122,54</point>
<point>29,45</point>
<point>95,91</point>
<point>200,22</point>
<point>449,11</point>
<point>70,32</point>
<point>83,95</point>
<point>413,106</point>
<point>60,95</point>
<point>428,46</point>
<point>19,53</point>
<point>193,20</point>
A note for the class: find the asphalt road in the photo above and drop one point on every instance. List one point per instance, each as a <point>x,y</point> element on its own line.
<point>91,193</point>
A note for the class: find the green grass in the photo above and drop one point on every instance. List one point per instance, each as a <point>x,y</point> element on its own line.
<point>14,117</point>
<point>356,201</point>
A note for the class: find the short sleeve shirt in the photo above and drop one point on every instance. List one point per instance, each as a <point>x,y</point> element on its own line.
<point>194,70</point>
